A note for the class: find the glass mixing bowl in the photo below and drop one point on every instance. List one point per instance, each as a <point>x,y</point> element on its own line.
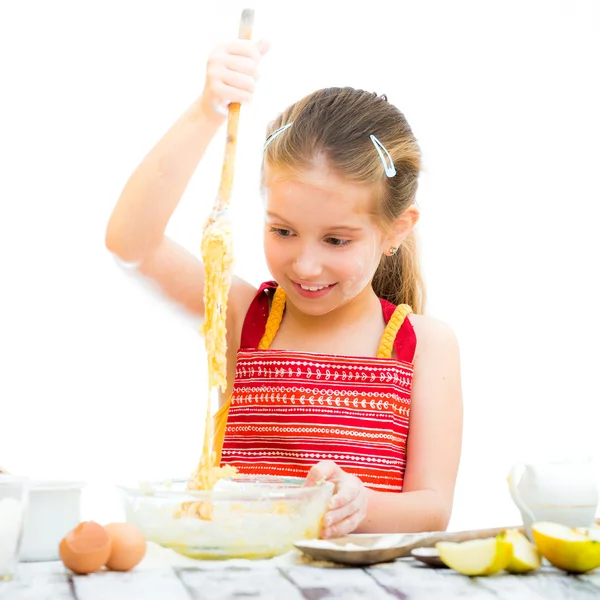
<point>241,517</point>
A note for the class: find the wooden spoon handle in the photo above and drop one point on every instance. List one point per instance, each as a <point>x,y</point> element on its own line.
<point>224,193</point>
<point>464,536</point>
<point>475,534</point>
<point>459,536</point>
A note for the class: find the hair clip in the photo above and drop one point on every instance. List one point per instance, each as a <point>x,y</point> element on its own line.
<point>276,133</point>
<point>389,171</point>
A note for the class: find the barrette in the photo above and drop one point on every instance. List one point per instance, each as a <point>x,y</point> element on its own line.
<point>390,170</point>
<point>276,133</point>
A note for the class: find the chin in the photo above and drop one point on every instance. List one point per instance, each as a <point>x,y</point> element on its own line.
<point>313,308</point>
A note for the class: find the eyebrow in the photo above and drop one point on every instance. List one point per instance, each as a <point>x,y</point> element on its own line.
<point>344,228</point>
<point>276,217</point>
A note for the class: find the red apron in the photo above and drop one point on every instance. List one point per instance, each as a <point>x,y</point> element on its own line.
<point>289,410</point>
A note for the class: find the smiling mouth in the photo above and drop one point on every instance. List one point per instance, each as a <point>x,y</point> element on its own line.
<point>313,288</point>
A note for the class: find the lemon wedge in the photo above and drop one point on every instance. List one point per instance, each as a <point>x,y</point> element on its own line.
<point>525,556</point>
<point>476,557</point>
<point>576,550</point>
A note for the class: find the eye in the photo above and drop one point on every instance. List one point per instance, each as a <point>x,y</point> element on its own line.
<point>336,241</point>
<point>284,233</point>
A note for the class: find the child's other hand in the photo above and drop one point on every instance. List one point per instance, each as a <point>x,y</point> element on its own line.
<point>231,75</point>
<point>348,505</point>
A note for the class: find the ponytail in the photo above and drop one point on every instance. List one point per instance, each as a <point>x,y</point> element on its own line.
<point>398,278</point>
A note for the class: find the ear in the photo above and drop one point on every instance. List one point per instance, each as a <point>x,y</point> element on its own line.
<point>402,227</point>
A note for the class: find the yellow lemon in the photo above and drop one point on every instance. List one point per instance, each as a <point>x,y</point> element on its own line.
<point>576,550</point>
<point>525,556</point>
<point>476,557</point>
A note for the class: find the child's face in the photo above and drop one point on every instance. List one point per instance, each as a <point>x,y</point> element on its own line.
<point>320,234</point>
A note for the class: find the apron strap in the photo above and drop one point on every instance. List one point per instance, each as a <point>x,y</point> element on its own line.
<point>274,320</point>
<point>386,345</point>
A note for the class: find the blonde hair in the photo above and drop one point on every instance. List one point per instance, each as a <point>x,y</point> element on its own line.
<point>335,124</point>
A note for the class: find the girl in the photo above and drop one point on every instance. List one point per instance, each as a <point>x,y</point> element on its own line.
<point>333,371</point>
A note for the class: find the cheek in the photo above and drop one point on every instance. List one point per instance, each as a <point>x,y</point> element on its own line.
<point>274,254</point>
<point>268,248</point>
<point>361,267</point>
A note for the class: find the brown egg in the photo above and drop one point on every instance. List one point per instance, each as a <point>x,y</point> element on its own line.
<point>85,549</point>
<point>128,546</point>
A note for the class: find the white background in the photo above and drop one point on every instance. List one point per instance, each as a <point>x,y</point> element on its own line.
<point>102,381</point>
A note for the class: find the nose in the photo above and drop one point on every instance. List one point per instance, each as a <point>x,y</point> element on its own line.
<point>308,264</point>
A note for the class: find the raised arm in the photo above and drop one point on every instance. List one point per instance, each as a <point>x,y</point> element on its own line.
<point>136,229</point>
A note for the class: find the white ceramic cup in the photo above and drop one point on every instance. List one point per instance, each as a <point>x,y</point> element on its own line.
<point>54,510</point>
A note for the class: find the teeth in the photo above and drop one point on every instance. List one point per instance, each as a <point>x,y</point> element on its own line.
<point>313,288</point>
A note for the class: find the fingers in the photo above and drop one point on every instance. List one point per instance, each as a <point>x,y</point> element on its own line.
<point>248,48</point>
<point>346,494</point>
<point>348,507</point>
<point>325,470</point>
<point>241,64</point>
<point>333,517</point>
<point>233,71</point>
<point>240,81</point>
<point>347,525</point>
<point>231,74</point>
<point>223,94</point>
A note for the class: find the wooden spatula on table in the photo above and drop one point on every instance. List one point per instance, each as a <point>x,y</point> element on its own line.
<point>369,549</point>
